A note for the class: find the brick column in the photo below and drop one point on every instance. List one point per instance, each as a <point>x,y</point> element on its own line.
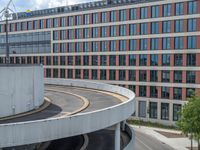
<point>184,94</point>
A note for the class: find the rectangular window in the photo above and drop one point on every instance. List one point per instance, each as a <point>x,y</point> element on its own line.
<point>143,60</point>
<point>144,13</point>
<point>55,22</point>
<point>192,42</point>
<point>132,87</point>
<point>113,30</point>
<point>132,45</point>
<point>165,92</point>
<point>112,75</point>
<point>154,44</point>
<point>133,29</point>
<point>103,46</point>
<point>113,16</point>
<point>133,13</point>
<point>77,60</point>
<point>102,74</point>
<point>164,111</point>
<point>94,60</point>
<point>94,74</point>
<point>78,33</point>
<point>153,110</point>
<point>143,44</point>
<point>177,93</point>
<point>154,28</point>
<point>78,20</point>
<point>176,110</point>
<point>86,47</point>
<point>153,75</point>
<point>104,31</point>
<point>95,32</point>
<point>62,60</point>
<point>70,60</point>
<point>62,73</point>
<point>166,26</point>
<point>177,76</point>
<point>95,18</point>
<point>70,21</point>
<point>122,60</point>
<point>48,23</point>
<point>167,10</point>
<point>112,60</point>
<point>142,109</point>
<point>95,46</point>
<point>192,7</point>
<point>103,60</point>
<point>122,30</point>
<point>71,34</point>
<point>143,28</point>
<point>142,75</point>
<point>122,45</point>
<point>112,45</point>
<point>192,25</point>
<point>189,92</point>
<point>179,25</point>
<point>85,74</point>
<point>122,15</point>
<point>142,91</point>
<point>132,60</point>
<point>153,92</point>
<point>77,73</point>
<point>190,76</point>
<point>178,42</point>
<point>87,19</point>
<point>179,9</point>
<point>178,59</point>
<point>104,17</point>
<point>154,11</point>
<point>154,60</point>
<point>191,59</point>
<point>165,76</point>
<point>132,75</point>
<point>122,75</point>
<point>63,21</point>
<point>166,43</point>
<point>55,73</point>
<point>69,73</point>
<point>86,32</point>
<point>86,60</point>
<point>166,59</point>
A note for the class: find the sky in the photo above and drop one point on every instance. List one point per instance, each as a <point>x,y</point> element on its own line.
<point>23,5</point>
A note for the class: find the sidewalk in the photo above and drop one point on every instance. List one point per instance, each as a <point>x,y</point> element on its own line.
<point>171,137</point>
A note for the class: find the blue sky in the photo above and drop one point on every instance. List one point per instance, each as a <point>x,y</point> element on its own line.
<point>23,5</point>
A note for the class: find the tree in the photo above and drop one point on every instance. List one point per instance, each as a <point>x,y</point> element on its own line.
<point>189,121</point>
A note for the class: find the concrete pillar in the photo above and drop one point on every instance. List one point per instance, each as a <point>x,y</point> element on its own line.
<point>123,125</point>
<point>117,137</point>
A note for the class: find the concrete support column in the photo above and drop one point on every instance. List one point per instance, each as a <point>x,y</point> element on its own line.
<point>117,137</point>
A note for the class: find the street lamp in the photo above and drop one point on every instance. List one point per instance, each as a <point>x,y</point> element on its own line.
<point>6,13</point>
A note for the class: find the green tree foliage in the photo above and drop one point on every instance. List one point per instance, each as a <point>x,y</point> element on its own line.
<point>189,121</point>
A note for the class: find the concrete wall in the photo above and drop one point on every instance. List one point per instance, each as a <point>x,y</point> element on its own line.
<point>21,89</point>
<point>65,126</point>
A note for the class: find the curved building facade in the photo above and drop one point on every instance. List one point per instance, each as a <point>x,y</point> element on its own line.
<point>151,47</point>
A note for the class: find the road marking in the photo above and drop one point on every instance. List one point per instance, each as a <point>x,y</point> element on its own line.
<point>143,143</point>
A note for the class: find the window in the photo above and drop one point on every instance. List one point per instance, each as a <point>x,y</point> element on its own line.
<point>62,60</point>
<point>133,29</point>
<point>102,74</point>
<point>154,11</point>
<point>178,42</point>
<point>70,21</point>
<point>192,25</point>
<point>133,13</point>
<point>94,60</point>
<point>78,60</point>
<point>86,47</point>
<point>30,25</point>
<point>144,13</point>
<point>85,60</point>
<point>55,35</point>
<point>70,34</point>
<point>132,60</point>
<point>164,111</point>
<point>112,74</point>
<point>166,26</point>
<point>154,60</point>
<point>166,44</point>
<point>113,16</point>
<point>132,87</point>
<point>78,33</point>
<point>153,92</point>
<point>87,19</point>
<point>104,46</point>
<point>103,31</point>
<point>192,43</point>
<point>143,44</point>
<point>85,74</point>
<point>95,32</point>
<point>48,60</point>
<point>178,59</point>
<point>62,73</point>
<point>178,93</point>
<point>113,30</point>
<point>132,45</point>
<point>142,109</point>
<point>69,73</point>
<point>70,60</point>
<point>122,30</point>
<point>63,21</point>
<point>122,15</point>
<point>77,73</point>
<point>95,18</point>
<point>165,92</point>
<point>55,22</point>
<point>143,60</point>
<point>179,9</point>
<point>153,75</point>
<point>86,32</point>
<point>95,46</point>
<point>24,26</point>
<point>192,7</point>
<point>154,28</point>
<point>122,75</point>
<point>122,60</point>
<point>190,76</point>
<point>132,75</point>
<point>48,23</point>
<point>143,75</point>
<point>35,24</point>
<point>191,59</point>
<point>55,60</point>
<point>165,76</point>
<point>179,25</point>
<point>154,44</point>
<point>112,60</point>
<point>70,47</point>
<point>122,45</point>
<point>112,45</point>
<point>55,73</point>
<point>167,10</point>
<point>177,76</point>
<point>55,48</point>
<point>176,110</point>
<point>48,73</point>
<point>166,59</point>
<point>189,92</point>
<point>63,34</point>
<point>143,28</point>
<point>153,110</point>
<point>104,17</point>
<point>142,91</point>
<point>103,60</point>
<point>94,74</point>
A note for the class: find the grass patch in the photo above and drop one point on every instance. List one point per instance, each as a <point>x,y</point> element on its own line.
<point>150,124</point>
